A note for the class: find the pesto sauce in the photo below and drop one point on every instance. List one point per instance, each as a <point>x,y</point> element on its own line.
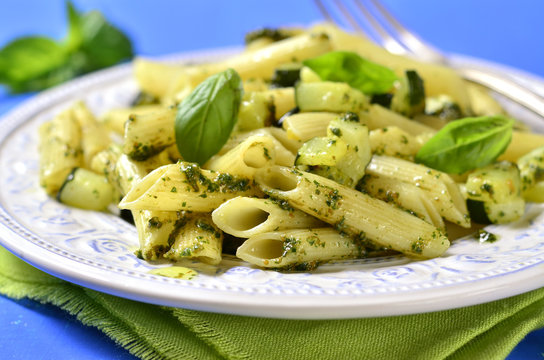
<point>303,266</point>
<point>142,151</point>
<point>266,154</point>
<point>486,236</point>
<point>223,182</point>
<point>154,223</point>
<point>176,272</point>
<point>333,197</point>
<point>181,221</point>
<point>283,204</point>
<point>202,225</point>
<point>290,245</point>
<point>350,116</point>
<point>418,246</point>
<point>153,253</point>
<point>336,132</point>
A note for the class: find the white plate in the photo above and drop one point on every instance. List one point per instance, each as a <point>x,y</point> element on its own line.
<point>96,249</point>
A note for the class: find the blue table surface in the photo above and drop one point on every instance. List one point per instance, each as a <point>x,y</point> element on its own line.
<point>505,32</point>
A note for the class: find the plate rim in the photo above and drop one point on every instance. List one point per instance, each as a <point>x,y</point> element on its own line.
<point>238,303</point>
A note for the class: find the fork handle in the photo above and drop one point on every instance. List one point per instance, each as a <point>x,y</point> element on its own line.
<point>506,87</point>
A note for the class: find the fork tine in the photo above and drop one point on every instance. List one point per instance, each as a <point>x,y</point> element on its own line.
<point>344,12</point>
<point>377,32</point>
<point>407,38</point>
<point>323,10</point>
<point>386,39</point>
<point>347,14</point>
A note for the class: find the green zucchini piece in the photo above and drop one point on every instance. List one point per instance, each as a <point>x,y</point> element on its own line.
<point>357,157</point>
<point>409,97</point>
<point>531,167</point>
<point>443,107</point>
<point>382,99</point>
<point>85,189</point>
<point>308,75</point>
<point>535,193</point>
<point>503,213</point>
<point>477,212</point>
<point>321,151</point>
<point>287,75</point>
<point>255,112</point>
<point>498,187</point>
<point>329,96</point>
<point>342,155</point>
<point>497,183</point>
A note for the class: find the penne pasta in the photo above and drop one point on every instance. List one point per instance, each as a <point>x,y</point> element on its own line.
<point>60,150</point>
<point>378,117</point>
<point>522,143</point>
<point>283,100</point>
<point>353,212</point>
<point>154,230</point>
<point>94,140</point>
<point>393,141</point>
<point>299,248</point>
<point>262,63</point>
<point>282,145</point>
<point>122,172</point>
<point>149,133</point>
<point>255,152</point>
<point>307,125</point>
<point>116,119</point>
<point>408,196</point>
<point>158,79</point>
<point>245,216</point>
<point>195,237</point>
<point>440,187</point>
<point>184,186</point>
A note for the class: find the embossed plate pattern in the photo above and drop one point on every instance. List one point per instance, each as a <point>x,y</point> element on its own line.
<point>96,249</point>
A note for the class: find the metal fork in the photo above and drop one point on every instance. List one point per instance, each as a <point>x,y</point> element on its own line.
<point>393,36</point>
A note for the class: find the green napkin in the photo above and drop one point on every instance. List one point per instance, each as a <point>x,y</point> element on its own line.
<point>487,331</point>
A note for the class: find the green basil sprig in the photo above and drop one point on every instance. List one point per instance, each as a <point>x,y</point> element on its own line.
<point>467,144</point>
<point>35,63</point>
<point>349,67</point>
<point>206,117</point>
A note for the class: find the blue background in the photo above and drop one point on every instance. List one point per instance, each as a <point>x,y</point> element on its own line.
<point>507,32</point>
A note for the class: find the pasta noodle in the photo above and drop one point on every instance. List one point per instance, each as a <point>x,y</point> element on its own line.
<point>184,186</point>
<point>244,217</point>
<point>441,188</point>
<point>60,150</point>
<point>354,212</point>
<point>253,153</point>
<point>196,237</point>
<point>305,247</point>
<point>307,125</point>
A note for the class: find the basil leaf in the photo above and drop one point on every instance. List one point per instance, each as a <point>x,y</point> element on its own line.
<point>206,117</point>
<point>35,63</point>
<point>28,58</point>
<point>102,43</point>
<point>467,144</point>
<point>349,67</point>
<point>74,39</point>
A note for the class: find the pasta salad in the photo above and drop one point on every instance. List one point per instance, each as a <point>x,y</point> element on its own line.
<point>311,145</point>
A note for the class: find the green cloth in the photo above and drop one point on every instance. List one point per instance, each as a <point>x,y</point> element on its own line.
<point>487,331</point>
